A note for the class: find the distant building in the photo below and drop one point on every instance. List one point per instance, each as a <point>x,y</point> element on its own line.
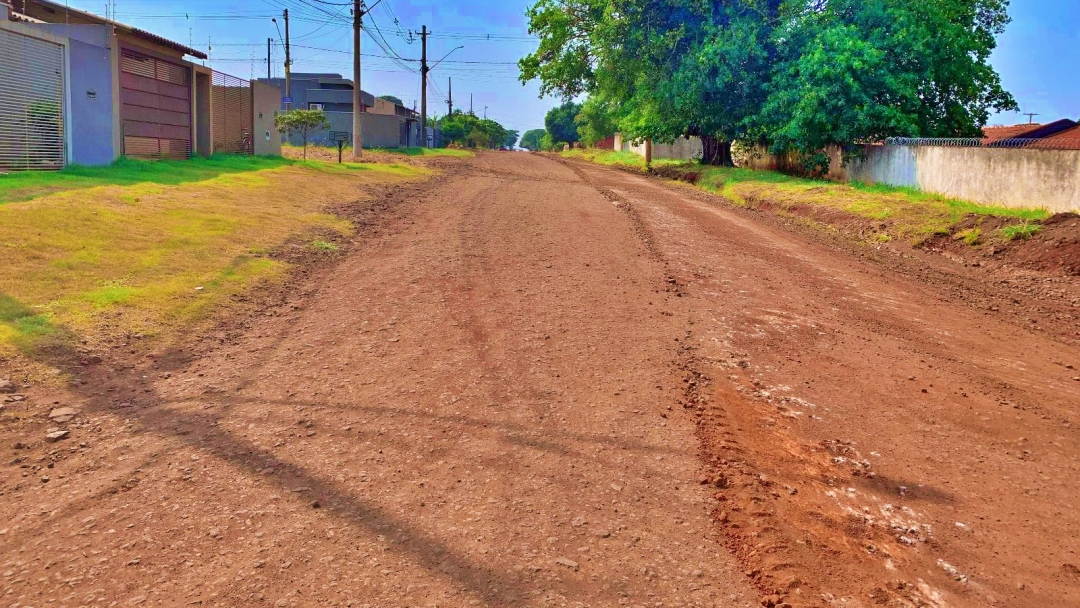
<point>384,124</point>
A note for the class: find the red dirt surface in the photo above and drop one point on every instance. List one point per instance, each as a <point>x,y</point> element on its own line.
<point>535,383</point>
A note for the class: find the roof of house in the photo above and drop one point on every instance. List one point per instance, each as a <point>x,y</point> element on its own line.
<point>95,19</point>
<point>1008,132</point>
<point>1068,139</point>
<point>1028,131</point>
<point>330,78</point>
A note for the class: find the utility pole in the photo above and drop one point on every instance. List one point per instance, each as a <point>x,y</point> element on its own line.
<point>288,60</point>
<point>485,112</point>
<point>470,105</point>
<point>357,100</point>
<point>268,77</point>
<point>423,86</point>
<point>450,96</point>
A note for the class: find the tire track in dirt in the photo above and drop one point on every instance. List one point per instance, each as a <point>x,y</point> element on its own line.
<point>812,521</point>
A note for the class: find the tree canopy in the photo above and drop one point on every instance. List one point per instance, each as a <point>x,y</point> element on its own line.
<point>594,121</point>
<point>560,122</point>
<point>797,74</point>
<point>469,131</point>
<point>301,122</point>
<point>531,139</point>
<point>511,139</point>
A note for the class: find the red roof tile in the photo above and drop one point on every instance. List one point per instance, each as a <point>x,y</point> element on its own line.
<point>1008,132</point>
<point>1065,140</point>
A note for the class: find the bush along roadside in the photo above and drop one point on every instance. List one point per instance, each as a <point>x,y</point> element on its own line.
<point>878,214</point>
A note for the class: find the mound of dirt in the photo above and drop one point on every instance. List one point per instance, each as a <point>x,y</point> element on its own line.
<point>681,174</point>
<point>1054,248</point>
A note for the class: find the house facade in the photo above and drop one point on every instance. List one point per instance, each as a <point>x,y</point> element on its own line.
<point>384,124</point>
<point>81,89</point>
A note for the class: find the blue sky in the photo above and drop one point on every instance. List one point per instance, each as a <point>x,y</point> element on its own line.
<point>1037,56</point>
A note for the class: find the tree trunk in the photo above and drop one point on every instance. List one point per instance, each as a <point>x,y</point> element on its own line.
<point>716,152</point>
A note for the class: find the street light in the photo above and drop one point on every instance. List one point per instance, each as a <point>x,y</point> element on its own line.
<point>444,56</point>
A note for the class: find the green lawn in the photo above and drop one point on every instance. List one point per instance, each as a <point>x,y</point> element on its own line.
<point>128,172</point>
<point>152,247</point>
<point>903,213</point>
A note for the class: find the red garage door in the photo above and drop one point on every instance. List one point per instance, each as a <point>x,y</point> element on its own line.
<point>155,98</point>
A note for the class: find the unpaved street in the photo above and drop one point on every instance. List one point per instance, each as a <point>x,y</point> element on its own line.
<point>533,383</point>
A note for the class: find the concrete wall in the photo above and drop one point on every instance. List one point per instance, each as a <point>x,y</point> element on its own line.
<point>1008,177</point>
<point>378,130</point>
<point>266,100</point>
<point>381,130</point>
<point>683,148</point>
<point>893,165</point>
<point>202,103</point>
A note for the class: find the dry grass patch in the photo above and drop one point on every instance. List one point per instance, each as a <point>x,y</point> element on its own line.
<point>889,212</point>
<point>151,258</point>
<point>372,155</point>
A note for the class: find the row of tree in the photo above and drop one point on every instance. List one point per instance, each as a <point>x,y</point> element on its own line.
<point>571,123</point>
<point>470,131</point>
<point>797,75</point>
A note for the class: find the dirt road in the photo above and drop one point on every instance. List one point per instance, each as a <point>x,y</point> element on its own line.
<point>539,384</point>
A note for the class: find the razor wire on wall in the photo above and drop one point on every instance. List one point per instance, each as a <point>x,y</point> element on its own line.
<point>1048,143</point>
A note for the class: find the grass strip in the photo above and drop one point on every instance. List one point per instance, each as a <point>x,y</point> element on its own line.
<point>903,213</point>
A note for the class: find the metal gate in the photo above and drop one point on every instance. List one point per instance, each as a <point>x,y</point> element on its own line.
<point>155,111</point>
<point>32,102</point>
<point>233,115</point>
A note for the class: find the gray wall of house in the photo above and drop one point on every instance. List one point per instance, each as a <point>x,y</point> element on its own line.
<point>91,105</point>
<point>378,130</point>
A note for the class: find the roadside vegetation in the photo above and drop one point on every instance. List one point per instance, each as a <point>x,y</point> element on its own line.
<point>371,155</point>
<point>148,248</point>
<point>900,213</point>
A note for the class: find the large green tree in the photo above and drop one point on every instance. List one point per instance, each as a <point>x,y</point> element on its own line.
<point>594,121</point>
<point>796,73</point>
<point>560,122</point>
<point>531,139</point>
<point>666,68</point>
<point>511,139</point>
<point>302,123</point>
<point>868,69</point>
<point>472,132</point>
